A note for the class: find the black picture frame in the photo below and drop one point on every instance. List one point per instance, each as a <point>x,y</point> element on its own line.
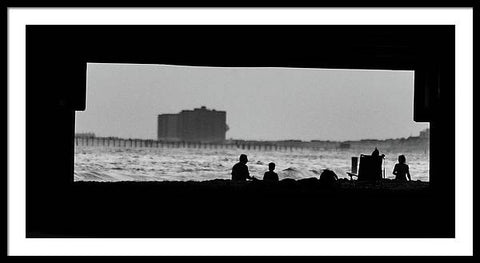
<point>42,56</point>
<point>429,50</point>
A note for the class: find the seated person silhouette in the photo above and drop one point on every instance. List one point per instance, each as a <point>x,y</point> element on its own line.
<point>370,166</point>
<point>401,170</point>
<point>376,153</point>
<point>240,170</point>
<point>271,176</point>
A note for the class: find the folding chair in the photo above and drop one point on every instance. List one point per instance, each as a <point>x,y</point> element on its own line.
<point>369,168</point>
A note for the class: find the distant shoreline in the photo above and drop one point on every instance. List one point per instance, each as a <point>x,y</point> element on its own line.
<point>417,143</point>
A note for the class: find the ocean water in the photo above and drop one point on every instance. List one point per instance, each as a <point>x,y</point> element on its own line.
<point>110,164</point>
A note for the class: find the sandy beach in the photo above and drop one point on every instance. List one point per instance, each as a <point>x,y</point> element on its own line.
<point>286,186</point>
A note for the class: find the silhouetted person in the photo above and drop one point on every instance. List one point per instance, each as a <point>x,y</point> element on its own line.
<point>376,153</point>
<point>401,170</point>
<point>328,179</point>
<point>240,170</point>
<point>271,176</point>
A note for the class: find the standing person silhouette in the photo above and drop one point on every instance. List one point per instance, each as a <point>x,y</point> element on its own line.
<point>240,170</point>
<point>271,176</point>
<point>401,169</point>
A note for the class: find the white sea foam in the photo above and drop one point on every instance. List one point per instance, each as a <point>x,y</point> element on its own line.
<point>184,164</point>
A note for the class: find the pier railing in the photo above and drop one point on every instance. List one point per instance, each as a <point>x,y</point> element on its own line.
<point>86,141</point>
<point>145,143</point>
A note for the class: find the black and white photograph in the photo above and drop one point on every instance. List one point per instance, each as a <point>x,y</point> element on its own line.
<point>142,124</point>
<point>242,131</point>
<point>226,134</point>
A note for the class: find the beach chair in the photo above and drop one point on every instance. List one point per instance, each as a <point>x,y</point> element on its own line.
<point>369,168</point>
<point>353,169</point>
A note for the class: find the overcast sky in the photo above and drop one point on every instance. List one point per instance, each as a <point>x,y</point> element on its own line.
<point>261,103</point>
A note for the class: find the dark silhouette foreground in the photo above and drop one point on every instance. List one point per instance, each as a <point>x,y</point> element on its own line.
<point>328,179</point>
<point>370,169</point>
<point>401,169</point>
<point>240,170</point>
<point>370,166</point>
<point>271,176</point>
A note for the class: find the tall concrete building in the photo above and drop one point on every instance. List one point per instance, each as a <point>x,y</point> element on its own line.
<point>197,125</point>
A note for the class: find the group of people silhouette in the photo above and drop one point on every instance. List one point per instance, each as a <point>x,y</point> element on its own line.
<point>240,170</point>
